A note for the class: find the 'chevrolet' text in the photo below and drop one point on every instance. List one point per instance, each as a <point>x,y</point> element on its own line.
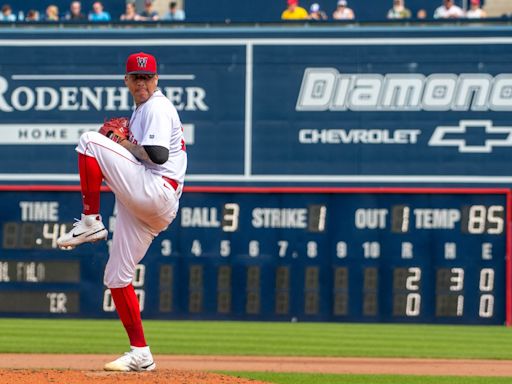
<point>358,136</point>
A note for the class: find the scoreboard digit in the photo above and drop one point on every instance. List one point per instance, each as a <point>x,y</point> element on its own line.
<point>309,254</point>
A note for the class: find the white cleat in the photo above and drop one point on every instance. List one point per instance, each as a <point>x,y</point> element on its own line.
<point>138,359</point>
<point>86,230</point>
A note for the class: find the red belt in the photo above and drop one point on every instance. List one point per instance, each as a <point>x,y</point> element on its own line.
<point>174,183</point>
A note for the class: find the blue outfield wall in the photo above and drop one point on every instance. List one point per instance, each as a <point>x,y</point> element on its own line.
<point>264,109</point>
<point>374,106</point>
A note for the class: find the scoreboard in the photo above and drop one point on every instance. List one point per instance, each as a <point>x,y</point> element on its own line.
<point>293,254</point>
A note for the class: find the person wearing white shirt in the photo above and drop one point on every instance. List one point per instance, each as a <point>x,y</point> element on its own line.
<point>448,11</point>
<point>475,12</point>
<point>343,12</point>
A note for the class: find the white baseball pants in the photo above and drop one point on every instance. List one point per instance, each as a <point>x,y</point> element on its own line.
<point>146,205</point>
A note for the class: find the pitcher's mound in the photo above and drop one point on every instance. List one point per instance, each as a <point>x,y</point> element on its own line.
<point>164,376</point>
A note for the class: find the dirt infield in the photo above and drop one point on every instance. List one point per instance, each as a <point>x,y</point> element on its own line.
<point>166,376</point>
<point>78,369</point>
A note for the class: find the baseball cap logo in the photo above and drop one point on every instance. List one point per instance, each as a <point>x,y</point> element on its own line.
<point>142,61</point>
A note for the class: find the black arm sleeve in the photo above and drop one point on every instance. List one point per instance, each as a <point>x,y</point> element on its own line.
<point>157,154</point>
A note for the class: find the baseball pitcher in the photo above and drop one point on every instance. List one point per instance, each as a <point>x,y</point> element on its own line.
<point>143,161</point>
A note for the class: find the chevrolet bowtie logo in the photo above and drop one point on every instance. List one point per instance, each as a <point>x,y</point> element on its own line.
<point>460,136</point>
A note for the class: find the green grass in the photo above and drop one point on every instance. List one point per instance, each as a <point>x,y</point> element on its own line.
<point>305,378</point>
<point>263,339</point>
<point>273,339</point>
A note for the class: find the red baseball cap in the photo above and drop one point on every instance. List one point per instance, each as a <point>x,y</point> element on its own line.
<point>142,63</point>
<point>295,2</point>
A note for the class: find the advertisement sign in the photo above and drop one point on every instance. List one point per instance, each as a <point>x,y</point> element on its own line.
<point>49,96</point>
<point>382,110</point>
<point>265,107</point>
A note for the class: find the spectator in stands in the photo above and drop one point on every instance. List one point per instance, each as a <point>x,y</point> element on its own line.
<point>448,11</point>
<point>475,11</point>
<point>294,11</point>
<point>7,14</point>
<point>399,11</point>
<point>52,13</point>
<point>32,15</point>
<point>75,12</point>
<point>343,12</point>
<point>315,13</point>
<point>149,14</point>
<point>98,13</point>
<point>130,14</point>
<point>174,14</point>
<point>421,14</point>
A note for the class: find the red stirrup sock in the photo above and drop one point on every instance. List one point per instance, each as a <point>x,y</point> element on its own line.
<point>90,183</point>
<point>128,310</point>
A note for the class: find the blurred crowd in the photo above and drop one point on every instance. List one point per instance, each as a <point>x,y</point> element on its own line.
<point>447,10</point>
<point>294,11</point>
<point>96,13</point>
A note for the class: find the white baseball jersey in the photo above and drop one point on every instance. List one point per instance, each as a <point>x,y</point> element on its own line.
<point>156,122</point>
